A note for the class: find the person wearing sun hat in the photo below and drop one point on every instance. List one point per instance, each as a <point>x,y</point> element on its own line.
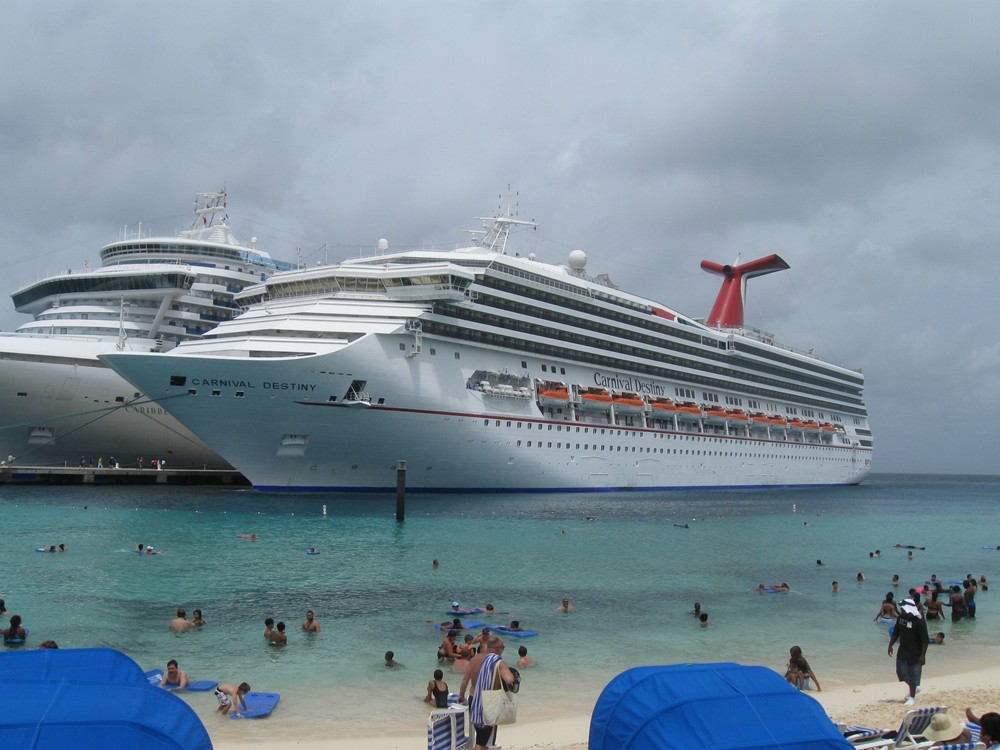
<point>945,728</point>
<point>911,632</point>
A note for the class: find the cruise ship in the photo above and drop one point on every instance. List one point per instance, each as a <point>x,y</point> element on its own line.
<point>476,369</point>
<point>59,404</point>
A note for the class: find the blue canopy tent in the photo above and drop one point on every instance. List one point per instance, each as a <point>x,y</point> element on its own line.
<point>93,716</point>
<point>708,707</point>
<point>90,699</point>
<point>77,664</point>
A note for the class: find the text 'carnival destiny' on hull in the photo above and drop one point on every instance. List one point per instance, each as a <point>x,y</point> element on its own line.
<point>60,404</point>
<point>486,371</point>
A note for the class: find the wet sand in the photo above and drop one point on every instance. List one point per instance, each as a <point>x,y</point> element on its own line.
<point>877,704</point>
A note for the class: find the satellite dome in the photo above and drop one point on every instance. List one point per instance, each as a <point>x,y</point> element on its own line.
<point>577,260</point>
<point>383,245</point>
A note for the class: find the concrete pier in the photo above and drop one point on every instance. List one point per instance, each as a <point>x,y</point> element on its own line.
<point>89,475</point>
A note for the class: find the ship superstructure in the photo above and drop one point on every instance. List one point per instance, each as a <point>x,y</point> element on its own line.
<point>60,404</point>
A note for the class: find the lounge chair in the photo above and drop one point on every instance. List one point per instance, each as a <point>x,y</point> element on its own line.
<point>446,728</point>
<point>909,734</point>
<point>974,730</point>
<point>961,746</point>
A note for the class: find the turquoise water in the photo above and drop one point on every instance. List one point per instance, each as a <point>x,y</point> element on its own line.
<point>631,574</point>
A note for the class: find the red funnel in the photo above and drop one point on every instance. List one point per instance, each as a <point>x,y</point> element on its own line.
<point>728,309</point>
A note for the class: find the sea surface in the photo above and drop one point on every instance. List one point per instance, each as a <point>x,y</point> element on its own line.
<point>632,574</point>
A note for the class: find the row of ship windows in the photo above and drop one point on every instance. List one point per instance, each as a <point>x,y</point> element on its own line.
<point>479,336</point>
<point>254,261</point>
<point>600,336</point>
<point>644,321</point>
<point>681,392</point>
<point>611,431</point>
<point>667,451</point>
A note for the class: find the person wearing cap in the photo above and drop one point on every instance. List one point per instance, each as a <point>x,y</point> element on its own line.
<point>944,728</point>
<point>457,609</point>
<point>911,633</point>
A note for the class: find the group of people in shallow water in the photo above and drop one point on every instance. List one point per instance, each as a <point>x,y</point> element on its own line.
<point>961,599</point>
<point>459,656</point>
<point>275,633</point>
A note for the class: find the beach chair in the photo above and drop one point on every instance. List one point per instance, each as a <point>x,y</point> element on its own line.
<point>974,730</point>
<point>446,728</point>
<point>909,734</point>
<point>962,746</point>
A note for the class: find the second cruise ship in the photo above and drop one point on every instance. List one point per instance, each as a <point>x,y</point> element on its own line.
<point>59,404</point>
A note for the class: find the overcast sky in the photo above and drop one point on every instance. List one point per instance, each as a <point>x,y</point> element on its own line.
<point>858,140</point>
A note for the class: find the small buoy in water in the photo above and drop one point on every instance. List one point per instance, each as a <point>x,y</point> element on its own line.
<point>324,510</point>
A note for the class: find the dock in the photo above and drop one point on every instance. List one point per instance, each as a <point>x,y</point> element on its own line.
<point>86,475</point>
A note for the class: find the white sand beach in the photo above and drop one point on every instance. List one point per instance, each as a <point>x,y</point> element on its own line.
<point>877,704</point>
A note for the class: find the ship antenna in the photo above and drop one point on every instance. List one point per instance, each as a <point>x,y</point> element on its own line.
<point>496,229</point>
<point>727,312</point>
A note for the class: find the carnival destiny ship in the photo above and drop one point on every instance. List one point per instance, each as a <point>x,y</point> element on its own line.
<point>486,371</point>
<point>59,404</point>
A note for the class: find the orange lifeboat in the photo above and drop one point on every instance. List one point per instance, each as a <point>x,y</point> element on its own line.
<point>778,420</point>
<point>796,424</point>
<point>689,410</point>
<point>597,399</point>
<point>715,413</point>
<point>628,403</point>
<point>811,425</point>
<point>737,415</point>
<point>827,427</point>
<point>663,403</point>
<point>553,395</point>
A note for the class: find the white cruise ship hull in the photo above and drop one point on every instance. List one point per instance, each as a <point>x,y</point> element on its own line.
<point>61,405</point>
<point>421,410</point>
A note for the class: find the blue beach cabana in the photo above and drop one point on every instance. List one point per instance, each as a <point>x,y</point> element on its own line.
<point>708,707</point>
<point>77,664</point>
<point>90,699</point>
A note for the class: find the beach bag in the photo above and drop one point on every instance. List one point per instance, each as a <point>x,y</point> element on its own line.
<point>499,706</point>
